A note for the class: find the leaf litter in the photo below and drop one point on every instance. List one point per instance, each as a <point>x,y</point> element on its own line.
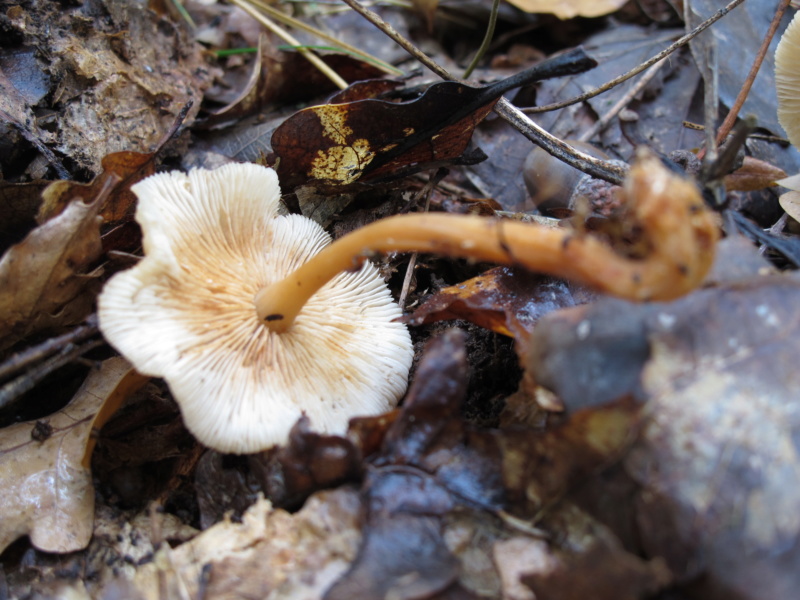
<point>647,448</point>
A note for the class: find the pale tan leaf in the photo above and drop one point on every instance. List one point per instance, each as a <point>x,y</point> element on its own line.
<point>43,278</point>
<point>45,486</point>
<point>790,183</point>
<point>567,9</point>
<point>790,202</point>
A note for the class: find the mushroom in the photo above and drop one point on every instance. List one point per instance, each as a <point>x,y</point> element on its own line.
<point>787,80</point>
<point>675,235</point>
<point>185,312</point>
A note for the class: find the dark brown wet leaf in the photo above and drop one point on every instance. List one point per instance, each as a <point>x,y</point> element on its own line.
<point>309,462</point>
<point>370,139</point>
<point>505,300</point>
<point>341,143</point>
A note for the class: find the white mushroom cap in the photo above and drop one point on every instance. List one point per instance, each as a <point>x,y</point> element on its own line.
<point>212,240</point>
<point>787,80</point>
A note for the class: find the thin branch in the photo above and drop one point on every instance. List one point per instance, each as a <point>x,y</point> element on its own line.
<point>603,121</point>
<point>426,191</point>
<point>14,389</point>
<point>727,124</point>
<point>551,144</point>
<point>645,65</point>
<point>22,360</point>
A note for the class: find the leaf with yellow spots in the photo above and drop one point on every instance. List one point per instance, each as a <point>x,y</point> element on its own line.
<point>372,140</point>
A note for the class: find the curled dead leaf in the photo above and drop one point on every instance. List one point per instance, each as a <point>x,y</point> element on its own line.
<point>44,278</point>
<point>754,174</point>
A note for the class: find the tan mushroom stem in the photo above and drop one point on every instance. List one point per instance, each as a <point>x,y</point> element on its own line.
<point>667,210</point>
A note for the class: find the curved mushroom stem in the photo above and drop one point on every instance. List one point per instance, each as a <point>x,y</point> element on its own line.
<point>678,231</point>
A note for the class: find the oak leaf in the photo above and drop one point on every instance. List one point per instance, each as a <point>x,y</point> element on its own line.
<point>46,489</point>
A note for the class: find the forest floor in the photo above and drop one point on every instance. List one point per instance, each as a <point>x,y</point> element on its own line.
<point>594,410</point>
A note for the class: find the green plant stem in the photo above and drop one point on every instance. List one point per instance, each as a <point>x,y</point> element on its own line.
<point>487,39</point>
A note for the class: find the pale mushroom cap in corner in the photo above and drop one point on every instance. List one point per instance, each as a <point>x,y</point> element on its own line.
<point>787,80</point>
<point>186,313</point>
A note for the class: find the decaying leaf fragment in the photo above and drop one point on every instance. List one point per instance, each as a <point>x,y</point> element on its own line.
<point>339,144</point>
<point>126,168</point>
<point>269,554</point>
<point>114,91</point>
<point>47,490</point>
<point>43,279</point>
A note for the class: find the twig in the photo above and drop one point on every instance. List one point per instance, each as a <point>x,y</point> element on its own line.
<point>24,359</point>
<point>727,124</point>
<point>290,39</point>
<point>603,121</point>
<point>558,148</point>
<point>551,144</point>
<point>412,262</point>
<point>645,65</point>
<point>15,388</point>
<point>487,39</point>
<point>775,230</point>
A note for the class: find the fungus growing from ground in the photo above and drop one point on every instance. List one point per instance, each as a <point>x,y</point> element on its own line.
<point>254,319</point>
<point>185,312</point>
<point>665,251</point>
<point>787,80</point>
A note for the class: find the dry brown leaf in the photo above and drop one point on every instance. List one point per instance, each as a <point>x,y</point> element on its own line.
<point>43,279</point>
<point>46,489</point>
<point>566,9</point>
<point>754,174</point>
<point>125,167</point>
